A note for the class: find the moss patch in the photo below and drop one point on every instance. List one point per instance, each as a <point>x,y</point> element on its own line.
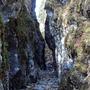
<point>80,41</point>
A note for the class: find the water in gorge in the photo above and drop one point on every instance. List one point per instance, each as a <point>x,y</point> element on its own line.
<point>44,45</point>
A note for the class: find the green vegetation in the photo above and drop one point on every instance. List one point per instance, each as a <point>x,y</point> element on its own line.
<point>1,22</point>
<point>80,41</point>
<point>25,25</point>
<point>5,64</point>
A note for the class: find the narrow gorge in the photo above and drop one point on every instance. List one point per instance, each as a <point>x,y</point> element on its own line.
<point>44,44</point>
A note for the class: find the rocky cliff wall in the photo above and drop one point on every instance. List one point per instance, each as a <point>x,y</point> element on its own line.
<point>68,25</point>
<point>21,56</point>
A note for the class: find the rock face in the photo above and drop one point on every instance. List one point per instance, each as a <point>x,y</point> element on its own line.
<point>1,85</point>
<point>50,42</point>
<point>68,25</point>
<point>56,35</point>
<point>22,47</point>
<point>39,49</point>
<point>23,44</point>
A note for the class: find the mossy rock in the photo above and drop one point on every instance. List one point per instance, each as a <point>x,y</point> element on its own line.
<point>1,23</point>
<point>80,41</point>
<point>25,25</point>
<point>87,30</point>
<point>81,67</point>
<point>79,53</point>
<point>86,40</point>
<point>5,63</point>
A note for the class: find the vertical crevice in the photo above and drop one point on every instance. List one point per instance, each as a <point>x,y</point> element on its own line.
<point>41,15</point>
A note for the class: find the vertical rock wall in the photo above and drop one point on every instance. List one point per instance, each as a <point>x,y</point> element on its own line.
<point>64,24</point>
<point>25,44</point>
